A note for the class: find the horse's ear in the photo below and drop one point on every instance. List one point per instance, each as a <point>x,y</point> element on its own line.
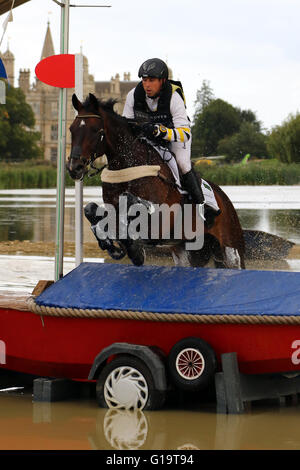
<point>93,100</point>
<point>76,103</point>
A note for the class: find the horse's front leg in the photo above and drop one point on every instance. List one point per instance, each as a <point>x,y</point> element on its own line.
<point>95,216</point>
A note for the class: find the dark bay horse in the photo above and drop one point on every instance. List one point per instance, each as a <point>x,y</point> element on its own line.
<point>98,130</point>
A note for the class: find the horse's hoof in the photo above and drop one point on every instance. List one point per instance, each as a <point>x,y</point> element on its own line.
<point>90,212</point>
<point>136,254</point>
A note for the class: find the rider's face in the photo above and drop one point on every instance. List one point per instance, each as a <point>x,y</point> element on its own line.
<point>152,85</point>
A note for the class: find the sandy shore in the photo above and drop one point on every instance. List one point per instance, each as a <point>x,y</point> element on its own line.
<point>91,250</point>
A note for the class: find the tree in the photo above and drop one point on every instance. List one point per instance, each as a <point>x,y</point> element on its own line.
<point>246,115</point>
<point>284,140</point>
<point>18,140</point>
<point>218,120</point>
<point>247,140</point>
<point>203,97</point>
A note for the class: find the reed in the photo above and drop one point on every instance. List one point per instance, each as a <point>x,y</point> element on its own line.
<point>28,175</point>
<point>33,175</point>
<point>253,173</point>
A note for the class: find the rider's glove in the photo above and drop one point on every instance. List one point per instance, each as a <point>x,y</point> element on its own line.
<point>151,130</point>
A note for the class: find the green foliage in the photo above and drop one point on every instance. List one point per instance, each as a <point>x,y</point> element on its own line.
<point>217,121</point>
<point>248,116</point>
<point>284,140</point>
<point>220,128</point>
<point>203,97</point>
<point>247,140</point>
<point>265,172</point>
<point>27,175</point>
<point>31,175</point>
<point>18,140</point>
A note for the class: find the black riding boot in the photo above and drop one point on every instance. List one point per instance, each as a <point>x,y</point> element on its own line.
<point>191,183</point>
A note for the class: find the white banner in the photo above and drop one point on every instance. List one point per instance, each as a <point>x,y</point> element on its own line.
<point>2,92</point>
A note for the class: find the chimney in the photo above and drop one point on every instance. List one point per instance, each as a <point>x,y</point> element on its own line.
<point>24,80</point>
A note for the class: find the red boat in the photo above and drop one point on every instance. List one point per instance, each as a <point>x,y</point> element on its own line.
<point>139,331</point>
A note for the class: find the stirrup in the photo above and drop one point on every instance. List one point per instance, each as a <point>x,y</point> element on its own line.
<point>201,211</point>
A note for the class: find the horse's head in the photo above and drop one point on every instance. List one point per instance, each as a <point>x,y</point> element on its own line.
<point>87,136</point>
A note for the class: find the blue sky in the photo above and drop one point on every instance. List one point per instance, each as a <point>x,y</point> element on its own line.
<point>247,49</point>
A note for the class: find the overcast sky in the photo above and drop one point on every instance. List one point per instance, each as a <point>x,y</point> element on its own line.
<point>248,50</point>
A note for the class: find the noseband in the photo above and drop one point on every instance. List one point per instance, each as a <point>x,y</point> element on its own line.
<point>101,135</point>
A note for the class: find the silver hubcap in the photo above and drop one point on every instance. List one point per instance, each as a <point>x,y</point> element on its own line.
<point>190,363</point>
<point>125,387</point>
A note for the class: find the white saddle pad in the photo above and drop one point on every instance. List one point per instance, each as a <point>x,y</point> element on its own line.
<point>169,158</point>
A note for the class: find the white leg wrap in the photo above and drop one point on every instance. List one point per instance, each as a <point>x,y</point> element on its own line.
<point>233,259</point>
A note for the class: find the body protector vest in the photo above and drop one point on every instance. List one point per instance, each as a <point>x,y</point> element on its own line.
<point>162,115</point>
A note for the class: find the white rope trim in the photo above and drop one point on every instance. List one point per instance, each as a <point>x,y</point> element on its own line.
<point>162,317</point>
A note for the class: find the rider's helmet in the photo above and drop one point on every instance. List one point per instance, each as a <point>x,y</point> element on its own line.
<point>155,68</point>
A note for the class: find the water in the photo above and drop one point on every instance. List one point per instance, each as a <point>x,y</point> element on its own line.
<point>30,215</point>
<point>81,424</point>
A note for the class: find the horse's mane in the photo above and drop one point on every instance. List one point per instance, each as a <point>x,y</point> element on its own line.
<point>107,106</point>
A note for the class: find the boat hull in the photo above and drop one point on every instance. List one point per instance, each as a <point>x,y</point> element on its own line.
<point>67,347</point>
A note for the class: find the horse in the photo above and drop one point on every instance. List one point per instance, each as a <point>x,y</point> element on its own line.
<point>98,130</point>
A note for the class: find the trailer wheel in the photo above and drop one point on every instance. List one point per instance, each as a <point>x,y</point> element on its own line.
<point>191,364</point>
<point>127,383</point>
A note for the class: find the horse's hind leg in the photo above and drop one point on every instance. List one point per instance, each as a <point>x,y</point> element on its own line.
<point>194,258</point>
<point>180,256</point>
<point>228,257</point>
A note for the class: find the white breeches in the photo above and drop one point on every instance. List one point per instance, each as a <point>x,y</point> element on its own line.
<point>182,152</point>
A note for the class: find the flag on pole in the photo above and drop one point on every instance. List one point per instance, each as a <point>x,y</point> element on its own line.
<point>3,73</point>
<point>9,19</point>
<point>57,70</point>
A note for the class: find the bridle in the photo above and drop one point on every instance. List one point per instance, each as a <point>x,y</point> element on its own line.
<point>93,157</point>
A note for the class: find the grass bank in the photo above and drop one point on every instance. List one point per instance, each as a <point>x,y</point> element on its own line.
<point>29,175</point>
<point>32,175</point>
<point>266,172</point>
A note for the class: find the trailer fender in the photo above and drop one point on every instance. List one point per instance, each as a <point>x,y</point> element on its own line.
<point>147,354</point>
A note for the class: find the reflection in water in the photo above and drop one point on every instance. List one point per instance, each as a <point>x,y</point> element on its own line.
<point>30,215</point>
<point>125,429</point>
<point>82,425</point>
<point>284,223</point>
<point>17,223</point>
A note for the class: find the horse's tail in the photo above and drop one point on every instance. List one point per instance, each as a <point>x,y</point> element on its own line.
<point>222,200</point>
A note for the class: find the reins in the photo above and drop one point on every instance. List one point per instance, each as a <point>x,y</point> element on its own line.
<point>101,137</point>
<point>94,156</point>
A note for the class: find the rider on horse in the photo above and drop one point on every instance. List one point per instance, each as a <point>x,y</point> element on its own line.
<point>158,104</point>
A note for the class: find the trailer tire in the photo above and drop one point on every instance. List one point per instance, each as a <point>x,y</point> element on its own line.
<point>191,364</point>
<point>127,383</point>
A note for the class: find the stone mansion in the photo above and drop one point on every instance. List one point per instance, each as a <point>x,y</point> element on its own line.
<point>44,98</point>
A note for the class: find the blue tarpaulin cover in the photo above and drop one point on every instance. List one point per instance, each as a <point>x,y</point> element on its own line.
<point>176,290</point>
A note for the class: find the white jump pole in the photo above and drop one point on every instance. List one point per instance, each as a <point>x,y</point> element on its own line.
<point>78,184</point>
<point>61,157</point>
<point>61,154</point>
